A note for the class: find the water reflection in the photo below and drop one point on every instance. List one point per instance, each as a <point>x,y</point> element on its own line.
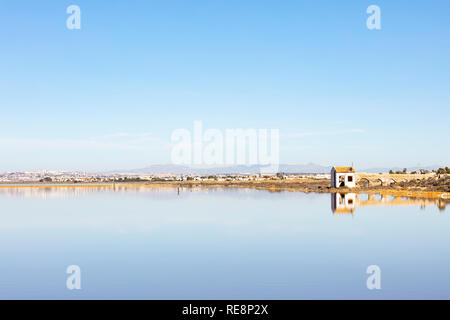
<point>345,203</point>
<point>150,191</point>
<point>341,203</point>
<point>158,242</point>
<point>48,192</point>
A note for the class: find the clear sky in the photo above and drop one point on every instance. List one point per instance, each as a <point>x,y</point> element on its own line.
<point>108,96</point>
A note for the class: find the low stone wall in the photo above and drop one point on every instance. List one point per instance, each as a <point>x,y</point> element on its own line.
<point>386,179</point>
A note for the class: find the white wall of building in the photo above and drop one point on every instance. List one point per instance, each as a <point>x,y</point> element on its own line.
<point>349,179</point>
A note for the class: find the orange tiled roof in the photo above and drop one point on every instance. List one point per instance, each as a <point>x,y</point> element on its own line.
<point>344,169</point>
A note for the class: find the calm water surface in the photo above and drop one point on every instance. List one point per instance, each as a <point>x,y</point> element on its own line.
<point>149,243</point>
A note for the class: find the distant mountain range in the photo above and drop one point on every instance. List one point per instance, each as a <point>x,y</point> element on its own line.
<point>242,169</point>
<point>254,169</point>
<point>164,169</point>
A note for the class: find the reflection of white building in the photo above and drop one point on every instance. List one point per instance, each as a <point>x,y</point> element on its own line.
<point>343,202</point>
<point>343,177</point>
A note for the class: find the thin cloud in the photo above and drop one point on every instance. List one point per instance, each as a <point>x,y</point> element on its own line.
<point>119,141</point>
<point>321,133</point>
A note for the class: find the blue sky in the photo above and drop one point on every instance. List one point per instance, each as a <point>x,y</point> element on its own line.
<point>109,96</point>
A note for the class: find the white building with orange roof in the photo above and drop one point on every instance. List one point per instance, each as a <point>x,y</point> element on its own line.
<point>343,177</point>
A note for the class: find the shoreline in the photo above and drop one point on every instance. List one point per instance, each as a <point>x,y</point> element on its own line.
<point>275,186</point>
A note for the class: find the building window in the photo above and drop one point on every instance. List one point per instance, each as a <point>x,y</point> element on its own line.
<point>350,178</point>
